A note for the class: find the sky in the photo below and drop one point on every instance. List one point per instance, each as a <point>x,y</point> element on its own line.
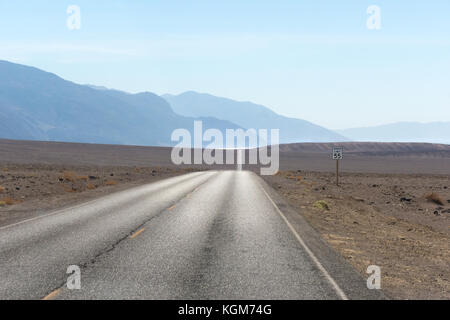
<point>315,60</point>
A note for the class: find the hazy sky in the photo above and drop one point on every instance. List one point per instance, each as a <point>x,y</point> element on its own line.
<point>314,60</point>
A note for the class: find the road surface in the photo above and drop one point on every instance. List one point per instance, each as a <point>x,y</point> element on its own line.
<point>204,235</point>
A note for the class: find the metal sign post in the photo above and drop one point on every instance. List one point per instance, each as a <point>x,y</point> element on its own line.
<point>337,155</point>
<point>337,172</point>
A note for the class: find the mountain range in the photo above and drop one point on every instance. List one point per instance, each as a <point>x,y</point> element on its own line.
<point>37,105</point>
<point>250,115</point>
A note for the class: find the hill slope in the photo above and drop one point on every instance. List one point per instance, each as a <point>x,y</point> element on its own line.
<point>250,115</point>
<point>371,148</point>
<point>38,105</point>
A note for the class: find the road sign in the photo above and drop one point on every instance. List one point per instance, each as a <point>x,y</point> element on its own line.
<point>338,153</point>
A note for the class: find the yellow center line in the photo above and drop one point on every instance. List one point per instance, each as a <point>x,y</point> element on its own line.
<point>134,235</point>
<point>52,295</point>
<point>171,208</point>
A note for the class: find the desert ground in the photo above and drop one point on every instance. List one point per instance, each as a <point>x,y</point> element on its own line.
<point>392,208</point>
<point>383,220</point>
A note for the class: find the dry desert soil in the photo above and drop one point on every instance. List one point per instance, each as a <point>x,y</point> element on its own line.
<point>379,214</point>
<point>382,220</point>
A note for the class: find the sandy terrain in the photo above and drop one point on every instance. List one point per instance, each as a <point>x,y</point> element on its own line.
<point>380,219</point>
<point>359,157</point>
<point>368,157</point>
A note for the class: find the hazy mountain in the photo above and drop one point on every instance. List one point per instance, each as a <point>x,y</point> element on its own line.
<point>37,105</point>
<point>435,132</point>
<point>250,115</point>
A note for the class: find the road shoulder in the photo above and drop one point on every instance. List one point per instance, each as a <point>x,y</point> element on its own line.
<point>347,278</point>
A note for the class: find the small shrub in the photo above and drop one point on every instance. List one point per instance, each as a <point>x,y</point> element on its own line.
<point>321,205</point>
<point>68,176</point>
<point>8,201</point>
<point>111,183</point>
<point>434,197</point>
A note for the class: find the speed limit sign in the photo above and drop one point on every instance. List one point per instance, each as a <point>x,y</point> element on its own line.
<point>338,153</point>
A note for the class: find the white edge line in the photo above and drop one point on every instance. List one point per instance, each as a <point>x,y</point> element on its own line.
<point>333,283</point>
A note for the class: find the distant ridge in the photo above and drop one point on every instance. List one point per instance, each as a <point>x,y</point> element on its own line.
<point>433,132</point>
<point>359,157</point>
<point>250,115</point>
<point>374,148</point>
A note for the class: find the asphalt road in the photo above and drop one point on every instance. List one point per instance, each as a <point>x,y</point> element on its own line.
<point>205,235</point>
